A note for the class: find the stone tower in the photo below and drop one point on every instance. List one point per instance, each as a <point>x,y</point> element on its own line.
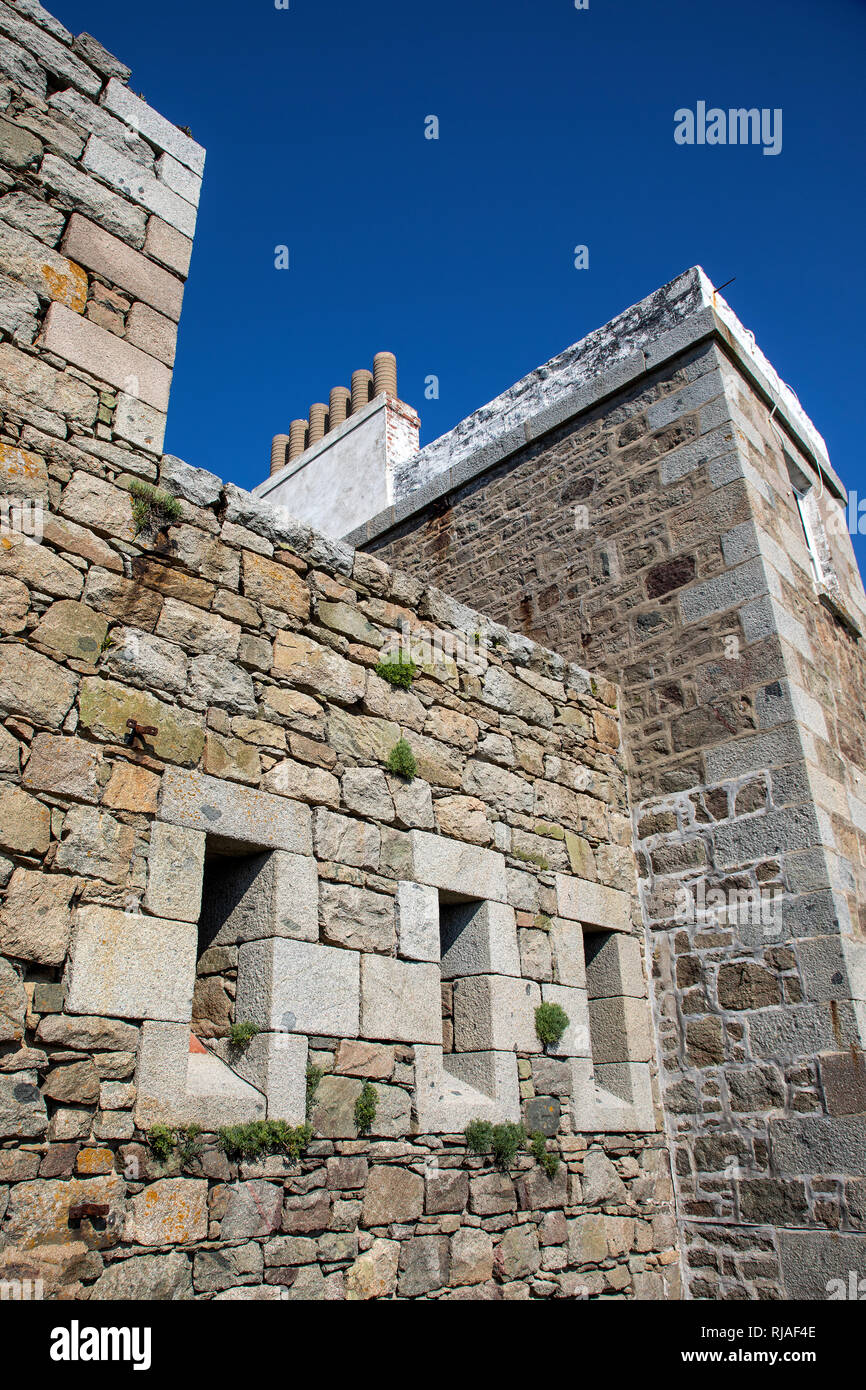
<point>655,502</point>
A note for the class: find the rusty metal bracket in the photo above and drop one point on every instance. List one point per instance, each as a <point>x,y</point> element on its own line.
<point>139,731</point>
<point>92,1211</point>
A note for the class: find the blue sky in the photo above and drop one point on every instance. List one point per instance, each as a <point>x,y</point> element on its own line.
<point>556,129</point>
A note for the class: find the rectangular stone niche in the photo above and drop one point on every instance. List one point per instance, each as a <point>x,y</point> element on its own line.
<point>612,1087</point>
<point>238,896</point>
<point>226,882</point>
<point>485,1007</point>
<point>252,895</point>
<point>472,1073</point>
<point>249,896</point>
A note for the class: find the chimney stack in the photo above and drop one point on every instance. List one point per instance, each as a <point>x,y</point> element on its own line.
<point>385,374</point>
<point>362,389</point>
<point>279,452</point>
<point>318,423</point>
<point>297,438</point>
<point>341,404</point>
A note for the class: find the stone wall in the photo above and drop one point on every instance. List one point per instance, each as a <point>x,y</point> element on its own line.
<point>97,213</point>
<point>655,535</point>
<point>198,829</point>
<point>275,747</point>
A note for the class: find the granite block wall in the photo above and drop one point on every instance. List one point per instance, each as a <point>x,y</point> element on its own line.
<point>191,841</point>
<point>199,830</point>
<point>657,535</point>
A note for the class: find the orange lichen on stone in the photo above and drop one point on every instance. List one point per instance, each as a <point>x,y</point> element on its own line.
<point>69,289</point>
<point>18,463</point>
<point>95,1161</point>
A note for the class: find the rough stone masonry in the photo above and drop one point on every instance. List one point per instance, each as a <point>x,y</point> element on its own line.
<point>201,839</point>
<point>656,503</point>
<point>199,829</point>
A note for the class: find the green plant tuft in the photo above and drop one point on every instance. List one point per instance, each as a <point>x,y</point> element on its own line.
<point>188,1142</point>
<point>365,1108</point>
<point>241,1035</point>
<point>163,1142</point>
<point>479,1136</point>
<point>152,509</point>
<point>160,1141</point>
<point>288,1140</point>
<point>264,1137</point>
<point>400,673</point>
<point>401,760</point>
<point>314,1076</point>
<point>551,1022</point>
<point>503,1141</point>
<point>507,1139</point>
<point>548,1161</point>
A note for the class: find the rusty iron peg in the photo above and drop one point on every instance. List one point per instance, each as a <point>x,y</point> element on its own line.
<point>141,731</point>
<point>91,1210</point>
